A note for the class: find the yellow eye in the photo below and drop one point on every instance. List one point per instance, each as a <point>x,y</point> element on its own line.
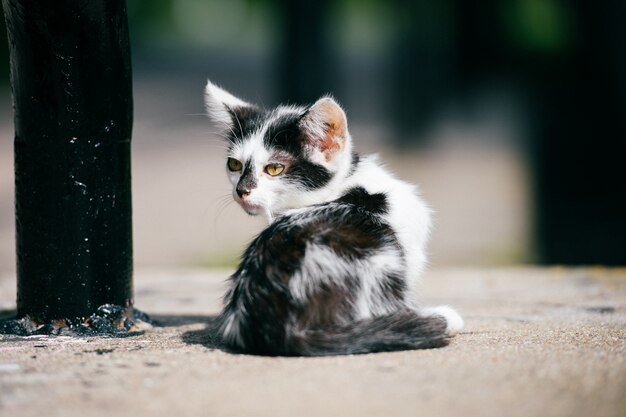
<point>274,169</point>
<point>234,165</point>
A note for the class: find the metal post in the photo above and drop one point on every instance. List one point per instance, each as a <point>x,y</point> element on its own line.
<point>72,93</point>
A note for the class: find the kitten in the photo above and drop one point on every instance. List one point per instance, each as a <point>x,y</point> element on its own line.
<point>336,269</point>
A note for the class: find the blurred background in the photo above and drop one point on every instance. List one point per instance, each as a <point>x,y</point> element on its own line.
<point>509,114</point>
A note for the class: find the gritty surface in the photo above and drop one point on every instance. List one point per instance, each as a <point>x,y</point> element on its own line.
<point>549,342</point>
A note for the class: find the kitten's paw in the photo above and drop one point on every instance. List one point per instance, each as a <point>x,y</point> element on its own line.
<point>453,319</point>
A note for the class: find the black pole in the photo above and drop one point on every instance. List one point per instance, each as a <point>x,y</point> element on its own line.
<point>72,92</point>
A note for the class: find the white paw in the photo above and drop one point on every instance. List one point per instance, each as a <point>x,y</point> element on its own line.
<point>454,320</point>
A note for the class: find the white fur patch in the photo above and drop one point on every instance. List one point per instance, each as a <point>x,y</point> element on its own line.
<point>218,101</point>
<point>372,270</point>
<point>322,265</point>
<point>453,319</point>
<point>408,215</point>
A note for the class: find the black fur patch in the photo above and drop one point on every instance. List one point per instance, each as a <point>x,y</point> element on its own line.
<point>349,241</point>
<point>358,196</point>
<point>308,174</point>
<point>245,121</point>
<point>394,285</point>
<point>323,306</point>
<point>284,134</point>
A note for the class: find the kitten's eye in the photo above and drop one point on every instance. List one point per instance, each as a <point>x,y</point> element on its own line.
<point>234,165</point>
<point>274,169</point>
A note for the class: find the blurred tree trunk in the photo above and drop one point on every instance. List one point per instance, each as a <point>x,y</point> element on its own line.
<point>580,142</point>
<point>421,66</point>
<point>305,60</point>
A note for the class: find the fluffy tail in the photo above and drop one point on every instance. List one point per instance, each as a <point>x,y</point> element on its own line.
<point>404,330</point>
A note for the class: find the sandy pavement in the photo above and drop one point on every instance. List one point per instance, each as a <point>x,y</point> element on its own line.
<point>537,342</point>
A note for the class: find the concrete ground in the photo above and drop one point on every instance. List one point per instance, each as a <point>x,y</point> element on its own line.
<point>537,342</point>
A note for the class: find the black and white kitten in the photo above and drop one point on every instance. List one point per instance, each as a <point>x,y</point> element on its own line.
<point>335,271</point>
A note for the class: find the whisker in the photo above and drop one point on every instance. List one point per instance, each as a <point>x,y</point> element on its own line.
<point>219,200</point>
<point>225,138</point>
<point>223,207</point>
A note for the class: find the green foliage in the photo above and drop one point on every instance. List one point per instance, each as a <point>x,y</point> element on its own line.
<point>541,26</point>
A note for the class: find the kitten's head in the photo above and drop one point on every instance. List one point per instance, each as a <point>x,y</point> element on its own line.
<point>281,158</point>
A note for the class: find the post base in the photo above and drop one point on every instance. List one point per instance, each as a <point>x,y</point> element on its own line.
<point>109,319</point>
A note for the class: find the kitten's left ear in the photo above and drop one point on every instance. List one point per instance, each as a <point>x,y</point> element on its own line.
<point>326,127</point>
<point>223,108</point>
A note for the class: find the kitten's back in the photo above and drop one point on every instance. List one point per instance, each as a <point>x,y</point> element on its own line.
<point>326,280</point>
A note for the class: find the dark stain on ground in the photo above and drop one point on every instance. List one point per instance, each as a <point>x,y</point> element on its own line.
<point>601,309</point>
<point>135,348</point>
<point>99,351</point>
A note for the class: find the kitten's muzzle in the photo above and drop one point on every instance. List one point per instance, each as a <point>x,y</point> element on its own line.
<point>243,192</point>
<point>251,209</point>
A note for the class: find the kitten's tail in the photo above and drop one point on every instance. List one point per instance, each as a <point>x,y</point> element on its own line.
<point>405,330</point>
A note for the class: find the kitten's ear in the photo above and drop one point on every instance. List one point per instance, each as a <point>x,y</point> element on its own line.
<point>326,127</point>
<point>223,108</point>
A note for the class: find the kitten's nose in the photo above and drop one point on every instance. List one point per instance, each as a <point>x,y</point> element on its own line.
<point>242,192</point>
<point>246,183</point>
